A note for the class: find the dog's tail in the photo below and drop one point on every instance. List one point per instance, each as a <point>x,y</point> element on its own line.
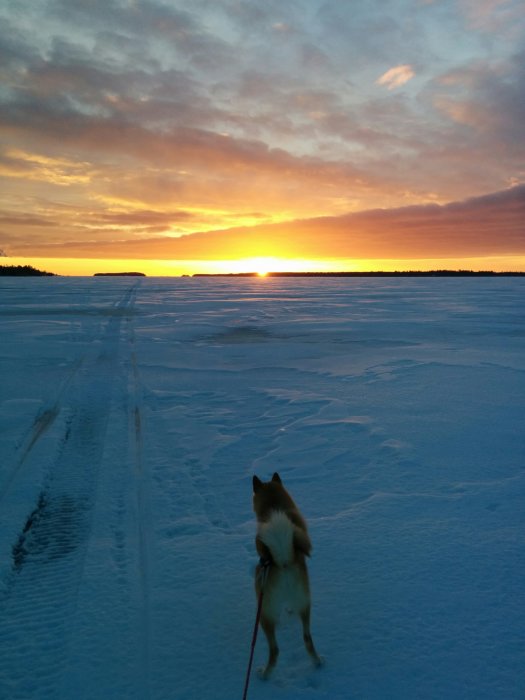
<point>278,535</point>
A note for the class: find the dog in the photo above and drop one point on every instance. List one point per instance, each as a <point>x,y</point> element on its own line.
<point>283,543</point>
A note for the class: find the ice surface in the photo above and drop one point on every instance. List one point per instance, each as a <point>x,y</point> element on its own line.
<point>133,414</point>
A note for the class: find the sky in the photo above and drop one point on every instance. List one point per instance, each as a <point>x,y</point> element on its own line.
<point>234,135</point>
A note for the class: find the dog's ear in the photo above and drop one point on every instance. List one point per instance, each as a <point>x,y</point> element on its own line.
<point>277,478</point>
<point>257,483</point>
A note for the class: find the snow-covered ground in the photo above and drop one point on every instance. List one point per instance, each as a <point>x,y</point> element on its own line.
<point>133,413</point>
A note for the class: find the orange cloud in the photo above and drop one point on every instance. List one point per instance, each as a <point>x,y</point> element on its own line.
<point>35,166</point>
<point>484,226</point>
<point>395,77</point>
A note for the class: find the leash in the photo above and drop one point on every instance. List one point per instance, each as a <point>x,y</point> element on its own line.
<point>265,564</point>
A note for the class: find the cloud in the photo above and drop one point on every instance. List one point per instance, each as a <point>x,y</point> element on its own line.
<point>124,119</point>
<point>114,82</point>
<point>490,225</point>
<point>395,77</point>
<point>494,15</point>
<point>488,98</point>
<point>25,220</point>
<point>33,166</point>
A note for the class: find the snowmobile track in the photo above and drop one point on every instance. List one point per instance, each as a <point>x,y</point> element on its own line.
<point>42,423</point>
<point>39,601</point>
<point>143,505</point>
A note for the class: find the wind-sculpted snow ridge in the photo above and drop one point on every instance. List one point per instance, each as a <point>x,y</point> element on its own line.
<point>132,417</point>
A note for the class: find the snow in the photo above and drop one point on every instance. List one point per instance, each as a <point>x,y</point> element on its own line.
<point>133,414</point>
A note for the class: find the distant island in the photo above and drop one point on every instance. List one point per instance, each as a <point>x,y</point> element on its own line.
<point>23,271</point>
<point>119,274</point>
<point>379,273</point>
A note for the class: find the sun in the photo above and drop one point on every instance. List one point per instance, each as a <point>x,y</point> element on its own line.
<point>265,265</point>
<point>260,266</point>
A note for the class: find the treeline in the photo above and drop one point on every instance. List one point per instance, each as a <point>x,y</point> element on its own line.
<point>23,271</point>
<point>379,273</point>
<point>119,274</point>
<point>408,273</point>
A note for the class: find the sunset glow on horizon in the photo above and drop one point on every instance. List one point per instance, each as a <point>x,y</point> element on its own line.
<point>178,139</point>
<point>87,267</point>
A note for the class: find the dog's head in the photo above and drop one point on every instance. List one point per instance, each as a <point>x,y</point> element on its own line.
<point>269,496</point>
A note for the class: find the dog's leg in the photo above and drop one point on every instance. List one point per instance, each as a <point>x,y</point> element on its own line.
<point>273,650</point>
<point>308,642</point>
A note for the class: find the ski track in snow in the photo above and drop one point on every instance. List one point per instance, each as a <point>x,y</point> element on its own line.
<point>134,414</point>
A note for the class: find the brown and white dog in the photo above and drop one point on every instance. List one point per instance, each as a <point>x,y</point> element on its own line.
<point>283,544</point>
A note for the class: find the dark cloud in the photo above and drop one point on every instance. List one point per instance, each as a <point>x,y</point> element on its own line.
<point>25,220</point>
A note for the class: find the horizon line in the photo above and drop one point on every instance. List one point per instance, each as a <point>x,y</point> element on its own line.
<point>29,270</point>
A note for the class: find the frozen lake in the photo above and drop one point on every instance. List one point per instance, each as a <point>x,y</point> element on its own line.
<point>133,413</point>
